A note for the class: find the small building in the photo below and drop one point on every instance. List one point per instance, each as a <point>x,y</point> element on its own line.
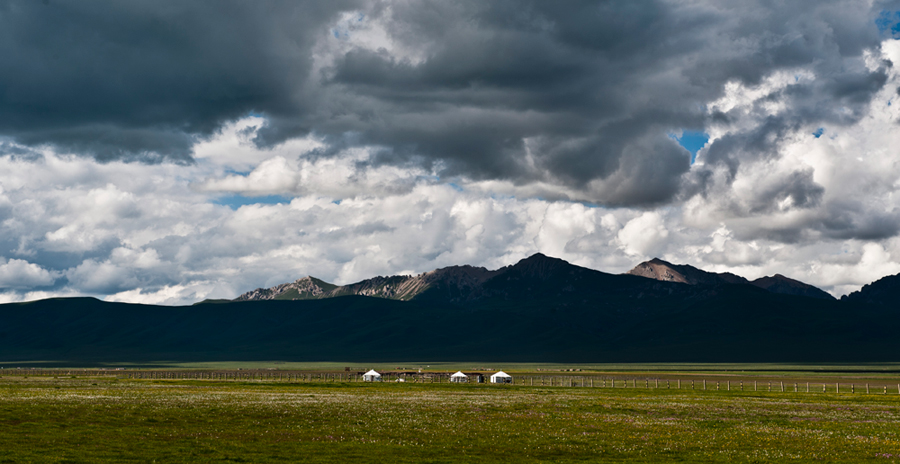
<point>372,376</point>
<point>459,377</point>
<point>501,377</point>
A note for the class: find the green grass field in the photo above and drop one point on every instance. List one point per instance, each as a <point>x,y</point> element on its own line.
<point>103,419</point>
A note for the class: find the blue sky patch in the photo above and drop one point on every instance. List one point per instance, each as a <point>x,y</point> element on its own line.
<point>818,133</point>
<point>888,22</point>
<point>236,201</point>
<point>692,141</point>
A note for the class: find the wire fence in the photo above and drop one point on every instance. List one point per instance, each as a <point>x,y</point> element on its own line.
<point>584,381</point>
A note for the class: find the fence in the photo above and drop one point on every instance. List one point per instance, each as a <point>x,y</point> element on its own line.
<point>415,377</point>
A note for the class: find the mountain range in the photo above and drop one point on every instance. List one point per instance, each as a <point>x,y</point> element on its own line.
<point>460,284</point>
<point>540,309</point>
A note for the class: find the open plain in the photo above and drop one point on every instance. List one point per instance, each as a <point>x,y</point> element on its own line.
<point>267,417</point>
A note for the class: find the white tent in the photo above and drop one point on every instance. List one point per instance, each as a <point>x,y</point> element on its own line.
<point>459,377</point>
<point>372,376</point>
<point>501,377</point>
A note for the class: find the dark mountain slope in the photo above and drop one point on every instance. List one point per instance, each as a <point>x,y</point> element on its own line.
<point>786,286</point>
<point>458,283</point>
<point>539,309</point>
<point>726,324</point>
<point>658,269</point>
<point>884,291</point>
<point>537,276</point>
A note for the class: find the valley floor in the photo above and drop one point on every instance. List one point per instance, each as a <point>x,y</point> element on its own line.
<point>104,419</point>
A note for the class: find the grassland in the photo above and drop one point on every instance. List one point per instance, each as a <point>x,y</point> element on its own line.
<point>103,419</point>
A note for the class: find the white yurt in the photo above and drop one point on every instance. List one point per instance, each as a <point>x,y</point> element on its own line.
<point>459,377</point>
<point>501,377</point>
<point>372,376</point>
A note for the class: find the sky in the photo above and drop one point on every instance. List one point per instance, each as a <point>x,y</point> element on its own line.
<point>167,152</point>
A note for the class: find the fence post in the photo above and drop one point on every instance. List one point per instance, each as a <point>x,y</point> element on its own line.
<point>679,384</point>
<point>867,389</point>
<point>782,386</point>
<point>704,384</point>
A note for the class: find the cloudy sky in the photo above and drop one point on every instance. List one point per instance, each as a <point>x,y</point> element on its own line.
<point>167,151</point>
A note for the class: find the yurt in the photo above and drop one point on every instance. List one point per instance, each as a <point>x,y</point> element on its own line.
<point>372,376</point>
<point>459,377</point>
<point>501,377</point>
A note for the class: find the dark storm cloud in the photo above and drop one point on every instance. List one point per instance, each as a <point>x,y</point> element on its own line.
<point>852,219</point>
<point>577,94</point>
<point>141,79</point>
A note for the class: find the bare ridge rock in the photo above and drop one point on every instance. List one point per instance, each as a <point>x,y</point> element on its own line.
<point>662,270</point>
<point>537,273</point>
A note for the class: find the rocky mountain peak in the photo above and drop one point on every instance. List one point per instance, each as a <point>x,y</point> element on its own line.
<point>303,288</point>
<point>469,283</point>
<point>660,270</point>
<point>663,270</point>
<point>538,266</point>
<point>460,273</point>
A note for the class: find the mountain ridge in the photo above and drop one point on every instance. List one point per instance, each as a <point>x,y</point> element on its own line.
<point>684,273</point>
<point>461,283</point>
<point>538,309</point>
<point>884,291</point>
